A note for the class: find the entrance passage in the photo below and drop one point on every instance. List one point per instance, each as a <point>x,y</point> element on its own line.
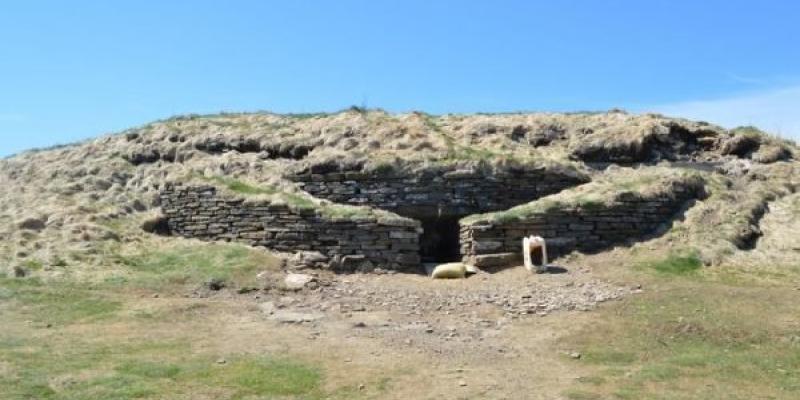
<point>439,242</point>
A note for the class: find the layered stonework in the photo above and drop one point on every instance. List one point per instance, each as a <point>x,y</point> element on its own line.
<point>579,223</point>
<point>350,243</point>
<point>621,206</point>
<point>441,190</point>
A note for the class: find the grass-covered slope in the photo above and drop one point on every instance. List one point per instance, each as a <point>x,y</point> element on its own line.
<point>605,191</point>
<point>294,199</point>
<point>62,207</point>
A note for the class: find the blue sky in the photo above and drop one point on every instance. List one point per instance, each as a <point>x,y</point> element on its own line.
<point>77,69</point>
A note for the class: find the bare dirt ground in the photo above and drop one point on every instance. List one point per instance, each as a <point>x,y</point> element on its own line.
<point>483,337</point>
<point>424,339</point>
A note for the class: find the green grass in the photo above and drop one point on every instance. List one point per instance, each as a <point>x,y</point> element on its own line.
<point>456,151</point>
<point>517,213</point>
<point>707,341</point>
<point>59,146</point>
<point>385,168</point>
<point>472,153</point>
<point>32,265</point>
<point>298,201</point>
<point>749,130</point>
<point>148,369</point>
<point>677,263</point>
<point>263,377</point>
<point>75,368</point>
<point>57,302</point>
<point>238,186</point>
<point>581,395</point>
<point>599,194</point>
<point>293,200</point>
<point>79,354</point>
<point>302,116</point>
<point>116,357</point>
<point>237,265</point>
<point>763,137</point>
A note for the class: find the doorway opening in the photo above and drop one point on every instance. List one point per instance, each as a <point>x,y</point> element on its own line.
<point>440,240</point>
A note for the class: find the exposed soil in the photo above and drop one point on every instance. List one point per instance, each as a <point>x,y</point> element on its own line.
<point>458,317</point>
<point>354,350</point>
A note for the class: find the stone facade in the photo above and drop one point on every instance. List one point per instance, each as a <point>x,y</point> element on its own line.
<point>350,244</point>
<point>375,238</point>
<point>589,228</point>
<point>440,191</point>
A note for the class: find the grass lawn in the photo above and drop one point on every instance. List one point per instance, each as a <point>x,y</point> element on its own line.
<point>79,340</point>
<point>58,342</point>
<point>192,264</point>
<point>691,337</point>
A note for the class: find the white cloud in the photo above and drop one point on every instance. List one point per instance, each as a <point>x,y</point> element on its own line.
<point>775,111</point>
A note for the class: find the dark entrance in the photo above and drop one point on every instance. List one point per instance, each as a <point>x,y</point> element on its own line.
<point>158,225</point>
<point>440,239</point>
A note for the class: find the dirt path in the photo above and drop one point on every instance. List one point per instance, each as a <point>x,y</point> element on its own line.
<point>521,361</point>
<point>405,336</point>
<point>495,334</point>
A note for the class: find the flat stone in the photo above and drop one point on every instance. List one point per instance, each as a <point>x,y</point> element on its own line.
<point>293,317</point>
<point>297,281</point>
<point>402,235</point>
<point>484,246</point>
<point>496,260</point>
<point>308,259</point>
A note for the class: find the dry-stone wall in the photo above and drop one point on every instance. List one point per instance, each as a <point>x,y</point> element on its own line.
<point>440,191</point>
<point>589,227</point>
<point>355,243</point>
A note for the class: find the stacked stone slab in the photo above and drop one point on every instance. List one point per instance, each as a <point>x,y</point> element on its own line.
<point>440,190</point>
<point>355,243</point>
<point>627,216</point>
